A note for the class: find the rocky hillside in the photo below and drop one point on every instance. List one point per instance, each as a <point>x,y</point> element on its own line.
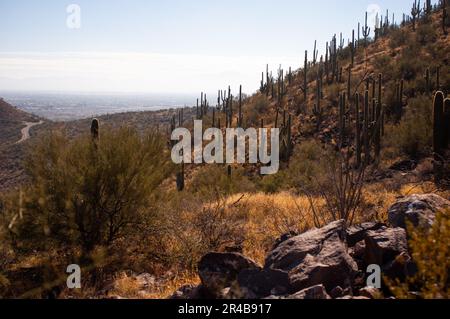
<point>11,122</point>
<point>363,128</point>
<point>325,263</point>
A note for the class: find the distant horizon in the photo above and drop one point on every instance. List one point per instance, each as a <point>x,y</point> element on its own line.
<point>67,106</point>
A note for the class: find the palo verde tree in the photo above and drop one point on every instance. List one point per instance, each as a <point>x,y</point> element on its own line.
<point>91,191</point>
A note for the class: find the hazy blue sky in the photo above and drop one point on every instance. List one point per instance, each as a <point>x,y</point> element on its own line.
<point>165,46</point>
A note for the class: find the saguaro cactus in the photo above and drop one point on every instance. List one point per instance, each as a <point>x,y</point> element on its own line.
<point>444,17</point>
<point>377,131</point>
<point>358,131</point>
<point>365,32</point>
<point>439,136</point>
<point>427,82</point>
<point>305,78</point>
<point>95,126</point>
<point>415,12</point>
<point>240,107</point>
<point>366,129</point>
<point>341,120</point>
<point>446,123</point>
<point>352,48</point>
<point>349,83</point>
<point>315,53</point>
<point>399,101</point>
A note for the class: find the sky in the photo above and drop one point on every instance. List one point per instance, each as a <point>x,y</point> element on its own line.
<point>166,46</point>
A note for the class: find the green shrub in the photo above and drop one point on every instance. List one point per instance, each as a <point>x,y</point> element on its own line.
<point>413,135</point>
<point>213,179</point>
<point>255,110</point>
<point>426,34</point>
<point>398,38</point>
<point>88,194</point>
<point>430,253</point>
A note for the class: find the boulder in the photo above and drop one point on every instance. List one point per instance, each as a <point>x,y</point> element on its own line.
<point>283,238</point>
<point>218,271</point>
<point>260,283</point>
<point>315,292</point>
<point>357,252</point>
<point>420,210</point>
<point>337,292</point>
<point>357,233</point>
<point>370,292</point>
<point>316,257</point>
<point>404,166</point>
<point>383,245</point>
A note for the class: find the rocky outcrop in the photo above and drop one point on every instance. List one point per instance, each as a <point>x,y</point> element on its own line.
<point>383,245</point>
<point>319,256</point>
<point>315,292</point>
<point>357,233</point>
<point>260,283</point>
<point>219,271</point>
<point>330,262</point>
<point>419,210</point>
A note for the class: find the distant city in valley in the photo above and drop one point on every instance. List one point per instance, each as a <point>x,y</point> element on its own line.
<point>72,106</point>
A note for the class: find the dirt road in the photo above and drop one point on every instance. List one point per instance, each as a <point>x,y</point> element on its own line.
<point>26,130</point>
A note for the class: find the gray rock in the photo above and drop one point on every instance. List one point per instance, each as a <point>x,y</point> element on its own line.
<point>420,210</point>
<point>383,245</point>
<point>218,271</point>
<point>357,252</point>
<point>260,283</point>
<point>336,292</point>
<point>315,292</point>
<point>318,256</point>
<point>357,233</point>
<point>370,292</point>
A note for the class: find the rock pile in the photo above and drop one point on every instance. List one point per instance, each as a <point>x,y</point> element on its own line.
<point>325,263</point>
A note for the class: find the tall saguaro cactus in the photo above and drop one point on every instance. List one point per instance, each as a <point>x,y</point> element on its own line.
<point>444,17</point>
<point>95,126</point>
<point>240,107</point>
<point>305,78</point>
<point>415,13</point>
<point>358,130</point>
<point>366,129</point>
<point>447,123</point>
<point>439,136</point>
<point>365,32</point>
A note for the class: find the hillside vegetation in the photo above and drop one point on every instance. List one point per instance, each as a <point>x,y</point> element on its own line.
<point>361,126</point>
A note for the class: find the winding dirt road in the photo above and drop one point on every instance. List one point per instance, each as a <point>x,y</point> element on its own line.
<point>26,130</point>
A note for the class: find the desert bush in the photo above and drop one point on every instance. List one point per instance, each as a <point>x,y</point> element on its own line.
<point>254,110</point>
<point>383,64</point>
<point>430,253</point>
<point>332,91</point>
<point>86,194</point>
<point>339,192</point>
<point>194,227</point>
<point>413,135</point>
<point>213,179</point>
<point>425,34</point>
<point>305,166</point>
<point>398,38</point>
<point>409,67</point>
